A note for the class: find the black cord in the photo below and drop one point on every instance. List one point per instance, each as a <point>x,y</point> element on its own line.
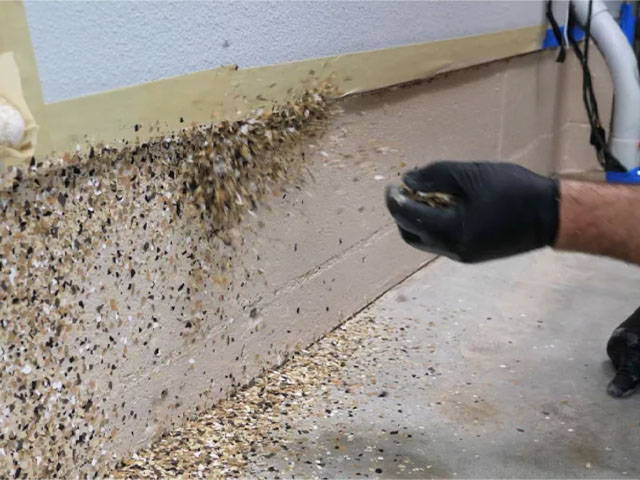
<point>556,33</point>
<point>636,40</point>
<point>598,134</point>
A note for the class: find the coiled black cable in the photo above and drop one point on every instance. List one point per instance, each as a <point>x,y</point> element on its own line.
<point>598,137</point>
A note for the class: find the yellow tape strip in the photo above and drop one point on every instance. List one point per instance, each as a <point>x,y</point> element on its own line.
<point>228,92</point>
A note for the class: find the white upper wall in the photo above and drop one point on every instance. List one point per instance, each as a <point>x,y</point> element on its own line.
<point>84,47</point>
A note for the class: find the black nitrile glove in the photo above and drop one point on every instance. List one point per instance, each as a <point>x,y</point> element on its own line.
<point>500,209</point>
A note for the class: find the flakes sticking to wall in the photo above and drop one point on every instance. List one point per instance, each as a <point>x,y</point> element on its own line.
<point>90,277</point>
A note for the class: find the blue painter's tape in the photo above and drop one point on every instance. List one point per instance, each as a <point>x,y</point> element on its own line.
<point>630,176</point>
<point>628,21</point>
<point>550,41</point>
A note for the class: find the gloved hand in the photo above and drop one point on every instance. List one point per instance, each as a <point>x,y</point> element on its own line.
<point>500,209</point>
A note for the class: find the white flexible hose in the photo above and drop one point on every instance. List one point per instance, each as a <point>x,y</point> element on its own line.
<point>625,129</point>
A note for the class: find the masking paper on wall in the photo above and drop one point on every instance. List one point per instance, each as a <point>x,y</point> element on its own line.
<point>11,94</point>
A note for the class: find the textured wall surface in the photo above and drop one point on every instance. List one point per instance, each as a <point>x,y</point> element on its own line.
<point>85,47</point>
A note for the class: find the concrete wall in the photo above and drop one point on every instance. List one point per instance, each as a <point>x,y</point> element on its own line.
<point>322,250</point>
<point>85,47</point>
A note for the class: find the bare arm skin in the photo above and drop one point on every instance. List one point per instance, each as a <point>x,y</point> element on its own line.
<point>600,219</point>
<point>503,209</point>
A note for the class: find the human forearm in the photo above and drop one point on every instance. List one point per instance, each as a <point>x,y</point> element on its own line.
<point>504,209</point>
<point>600,219</point>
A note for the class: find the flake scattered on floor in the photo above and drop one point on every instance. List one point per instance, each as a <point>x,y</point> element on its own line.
<point>255,421</point>
<point>489,371</point>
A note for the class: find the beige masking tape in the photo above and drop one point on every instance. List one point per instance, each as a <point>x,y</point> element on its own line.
<point>137,112</point>
<point>11,94</point>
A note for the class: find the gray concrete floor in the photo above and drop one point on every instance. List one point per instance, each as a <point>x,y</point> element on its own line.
<point>484,371</point>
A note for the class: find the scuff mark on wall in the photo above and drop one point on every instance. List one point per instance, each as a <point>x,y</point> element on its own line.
<point>92,285</point>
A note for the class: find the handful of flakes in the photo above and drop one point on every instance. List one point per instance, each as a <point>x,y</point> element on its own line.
<point>432,199</point>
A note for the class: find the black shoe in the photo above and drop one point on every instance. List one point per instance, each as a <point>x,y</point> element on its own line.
<point>623,349</point>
